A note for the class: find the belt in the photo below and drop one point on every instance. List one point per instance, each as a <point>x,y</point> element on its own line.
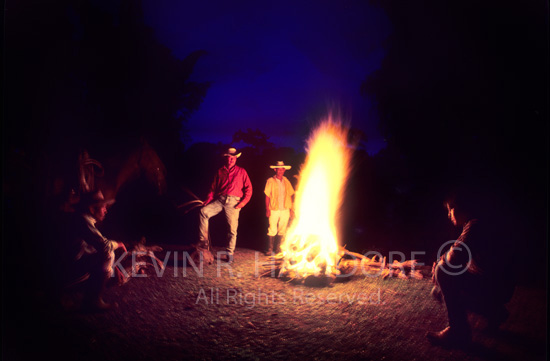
<point>225,197</point>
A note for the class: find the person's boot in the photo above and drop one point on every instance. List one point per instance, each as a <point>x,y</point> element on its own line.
<point>451,337</point>
<point>496,317</point>
<point>436,294</point>
<point>93,302</point>
<point>278,242</point>
<point>201,245</point>
<point>458,334</point>
<point>98,305</point>
<point>270,241</point>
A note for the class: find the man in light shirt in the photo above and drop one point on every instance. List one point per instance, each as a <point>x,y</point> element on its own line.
<point>278,205</point>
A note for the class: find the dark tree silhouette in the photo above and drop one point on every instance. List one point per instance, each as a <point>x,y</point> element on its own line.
<point>82,76</point>
<point>463,99</point>
<point>141,87</point>
<point>357,137</point>
<point>78,76</point>
<point>464,84</point>
<point>255,138</point>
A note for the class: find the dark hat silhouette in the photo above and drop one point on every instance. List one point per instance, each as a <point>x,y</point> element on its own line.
<point>94,198</point>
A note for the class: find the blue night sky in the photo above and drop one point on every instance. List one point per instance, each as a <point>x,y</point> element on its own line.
<point>276,66</point>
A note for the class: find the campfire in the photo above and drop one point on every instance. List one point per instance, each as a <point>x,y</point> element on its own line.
<point>311,247</point>
<point>311,252</point>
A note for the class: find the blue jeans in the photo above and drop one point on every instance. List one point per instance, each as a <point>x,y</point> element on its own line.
<point>227,203</point>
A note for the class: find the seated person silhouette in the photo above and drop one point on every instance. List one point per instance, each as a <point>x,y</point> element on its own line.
<point>88,255</point>
<point>472,275</point>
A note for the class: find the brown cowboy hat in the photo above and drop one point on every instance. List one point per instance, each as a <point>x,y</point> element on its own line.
<point>232,152</point>
<point>280,164</point>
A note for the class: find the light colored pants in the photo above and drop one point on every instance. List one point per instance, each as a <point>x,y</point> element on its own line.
<point>227,204</point>
<point>278,221</point>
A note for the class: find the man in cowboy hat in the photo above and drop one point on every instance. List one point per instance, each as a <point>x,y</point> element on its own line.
<point>230,191</point>
<point>90,254</point>
<point>278,206</point>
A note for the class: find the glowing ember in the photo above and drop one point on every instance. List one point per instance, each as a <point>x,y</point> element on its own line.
<point>311,245</point>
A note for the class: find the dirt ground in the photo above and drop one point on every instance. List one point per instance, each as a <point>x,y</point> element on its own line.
<point>230,313</point>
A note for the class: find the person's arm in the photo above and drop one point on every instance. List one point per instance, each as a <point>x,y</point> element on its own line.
<point>459,255</point>
<point>247,190</point>
<point>290,192</point>
<point>465,252</point>
<point>289,188</point>
<point>117,245</point>
<point>267,210</point>
<point>213,186</point>
<point>91,235</point>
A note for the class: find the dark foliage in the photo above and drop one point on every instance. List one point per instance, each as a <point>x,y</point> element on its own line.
<point>81,77</point>
<point>463,100</point>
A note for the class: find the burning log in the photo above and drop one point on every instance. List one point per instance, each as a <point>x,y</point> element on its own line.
<point>138,261</point>
<point>416,274</point>
<point>349,264</point>
<point>404,270</point>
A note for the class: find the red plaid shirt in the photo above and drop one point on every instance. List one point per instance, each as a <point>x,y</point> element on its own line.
<point>232,182</point>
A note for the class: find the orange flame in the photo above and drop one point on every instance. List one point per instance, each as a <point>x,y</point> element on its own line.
<point>311,245</point>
